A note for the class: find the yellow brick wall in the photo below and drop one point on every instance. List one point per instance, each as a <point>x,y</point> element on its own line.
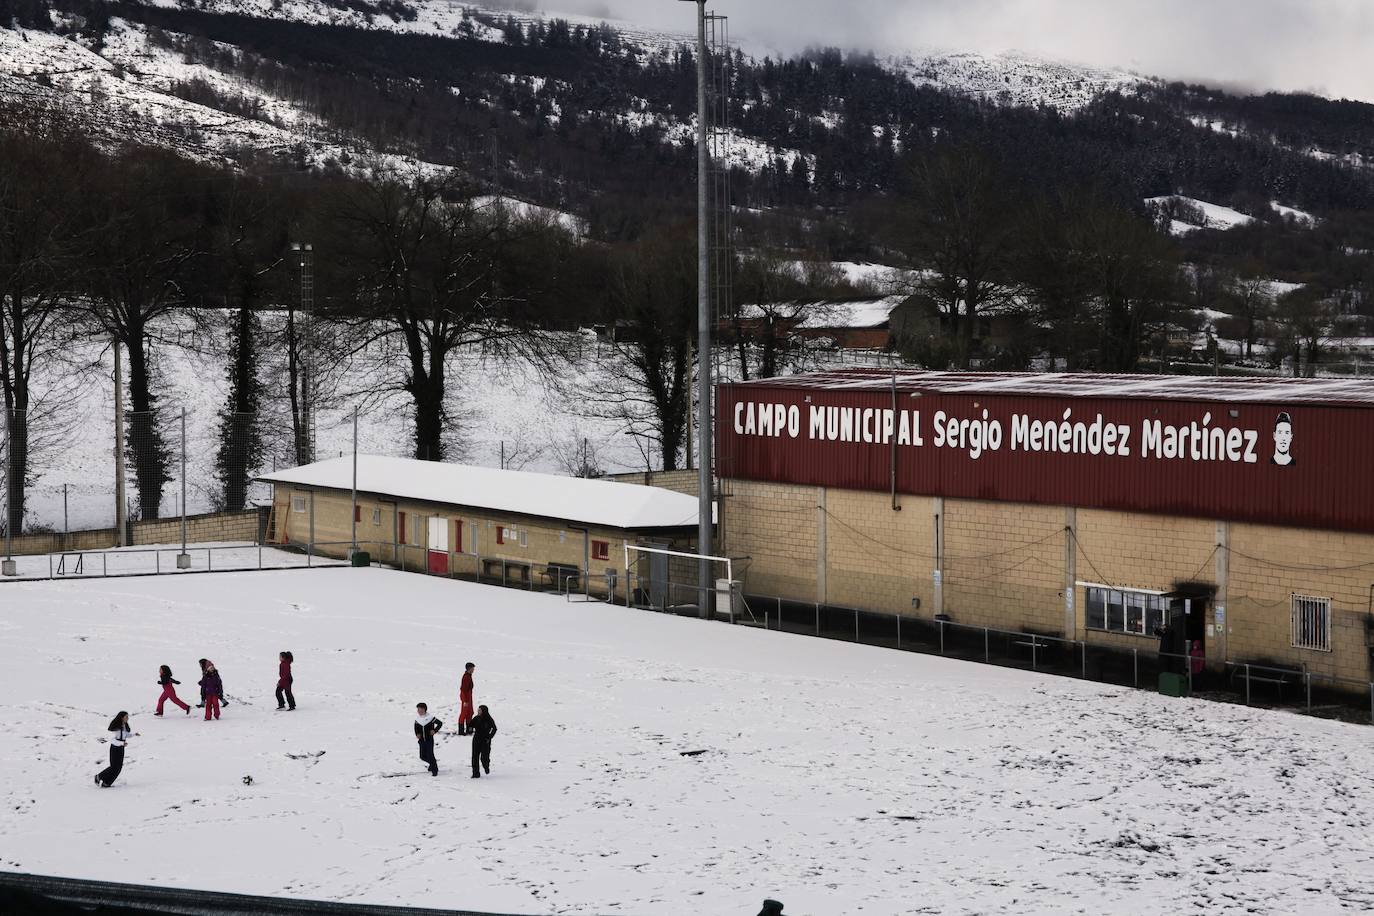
<point>1004,565</point>
<point>1136,550</point>
<point>545,541</point>
<point>200,529</point>
<point>770,530</point>
<point>878,558</point>
<point>1268,565</point>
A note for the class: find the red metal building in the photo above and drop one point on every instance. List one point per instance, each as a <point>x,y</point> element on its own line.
<point>1294,452</point>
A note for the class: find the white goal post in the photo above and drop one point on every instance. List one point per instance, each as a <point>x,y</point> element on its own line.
<point>642,549</point>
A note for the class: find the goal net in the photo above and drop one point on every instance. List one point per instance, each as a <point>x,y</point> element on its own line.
<point>670,580</point>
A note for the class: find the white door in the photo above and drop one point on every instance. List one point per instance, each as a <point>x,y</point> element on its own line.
<point>438,534</point>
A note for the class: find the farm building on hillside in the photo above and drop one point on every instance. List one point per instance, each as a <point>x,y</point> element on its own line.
<point>512,527</point>
<point>845,324</point>
<point>1098,508</point>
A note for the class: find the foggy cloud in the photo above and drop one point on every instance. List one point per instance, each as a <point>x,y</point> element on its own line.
<point>1321,46</point>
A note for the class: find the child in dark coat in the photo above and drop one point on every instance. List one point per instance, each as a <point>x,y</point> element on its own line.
<point>169,690</point>
<point>213,689</point>
<point>284,694</point>
<point>426,727</point>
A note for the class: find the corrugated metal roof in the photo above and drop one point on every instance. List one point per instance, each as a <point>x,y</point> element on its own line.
<point>572,499</point>
<point>1349,392</point>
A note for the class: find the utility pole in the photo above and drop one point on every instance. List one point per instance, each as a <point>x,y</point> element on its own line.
<point>120,508</point>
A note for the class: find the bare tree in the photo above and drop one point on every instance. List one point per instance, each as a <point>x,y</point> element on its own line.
<point>653,291</point>
<point>40,226</point>
<point>1133,276</point>
<point>136,263</point>
<point>1303,323</point>
<point>959,234</point>
<point>1252,301</point>
<point>426,272</point>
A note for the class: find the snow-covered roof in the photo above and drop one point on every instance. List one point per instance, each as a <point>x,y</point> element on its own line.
<point>572,499</point>
<point>1321,391</point>
<point>830,313</point>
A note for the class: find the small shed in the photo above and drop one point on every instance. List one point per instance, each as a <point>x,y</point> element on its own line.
<point>513,527</point>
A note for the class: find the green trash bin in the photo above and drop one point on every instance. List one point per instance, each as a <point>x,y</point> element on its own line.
<point>1173,685</point>
<point>361,558</point>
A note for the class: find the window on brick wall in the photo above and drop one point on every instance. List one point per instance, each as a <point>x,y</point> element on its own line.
<point>601,550</point>
<point>298,504</point>
<point>1312,623</point>
<point>357,513</point>
<point>376,516</point>
<point>524,537</point>
<point>1124,610</point>
<point>500,535</point>
<point>401,526</point>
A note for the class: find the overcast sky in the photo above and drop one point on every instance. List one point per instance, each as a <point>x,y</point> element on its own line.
<point>1323,46</point>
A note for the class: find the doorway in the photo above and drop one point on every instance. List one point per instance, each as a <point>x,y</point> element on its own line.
<point>437,545</point>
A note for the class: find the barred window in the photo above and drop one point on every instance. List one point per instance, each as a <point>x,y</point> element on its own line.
<point>1123,610</point>
<point>1312,623</point>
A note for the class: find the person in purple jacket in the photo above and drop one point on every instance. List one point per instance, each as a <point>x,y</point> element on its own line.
<point>284,694</point>
<point>213,689</point>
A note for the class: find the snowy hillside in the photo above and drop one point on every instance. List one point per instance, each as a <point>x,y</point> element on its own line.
<point>127,91</point>
<point>137,84</point>
<point>644,764</point>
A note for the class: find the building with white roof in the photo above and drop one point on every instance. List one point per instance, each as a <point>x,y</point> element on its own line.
<point>515,527</point>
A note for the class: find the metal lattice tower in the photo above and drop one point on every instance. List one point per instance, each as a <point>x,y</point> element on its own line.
<point>307,350</point>
<point>722,213</point>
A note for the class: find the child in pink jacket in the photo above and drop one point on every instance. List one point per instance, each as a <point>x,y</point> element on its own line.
<point>169,691</point>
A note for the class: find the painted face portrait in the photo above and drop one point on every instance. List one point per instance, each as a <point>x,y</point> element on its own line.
<point>1283,441</point>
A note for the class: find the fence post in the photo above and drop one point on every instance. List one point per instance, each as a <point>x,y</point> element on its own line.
<point>779,597</point>
<point>987,656</point>
<point>1188,667</point>
<point>942,637</point>
<point>1135,667</point>
<point>899,631</point>
<point>1247,684</point>
<point>104,564</point>
<point>1371,703</point>
<point>1034,660</point>
<point>310,553</point>
<point>818,618</point>
<point>157,562</point>
<point>1307,678</point>
<point>259,553</point>
<point>1083,648</point>
<point>856,624</point>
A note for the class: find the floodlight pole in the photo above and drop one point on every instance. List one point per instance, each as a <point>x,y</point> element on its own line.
<point>184,558</point>
<point>120,506</point>
<point>703,456</point>
<point>355,481</point>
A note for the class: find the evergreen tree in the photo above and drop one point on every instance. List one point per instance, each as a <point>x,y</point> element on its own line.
<point>240,435</point>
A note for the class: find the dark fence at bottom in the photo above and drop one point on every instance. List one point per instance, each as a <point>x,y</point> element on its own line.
<point>40,895</point>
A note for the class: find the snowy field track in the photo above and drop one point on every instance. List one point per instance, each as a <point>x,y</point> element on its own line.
<point>837,778</point>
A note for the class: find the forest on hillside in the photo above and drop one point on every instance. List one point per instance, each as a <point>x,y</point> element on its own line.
<point>1029,214</point>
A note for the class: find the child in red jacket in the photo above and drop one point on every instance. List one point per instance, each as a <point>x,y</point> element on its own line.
<point>284,682</point>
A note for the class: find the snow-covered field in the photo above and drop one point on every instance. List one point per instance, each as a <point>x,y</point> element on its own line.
<point>837,778</point>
